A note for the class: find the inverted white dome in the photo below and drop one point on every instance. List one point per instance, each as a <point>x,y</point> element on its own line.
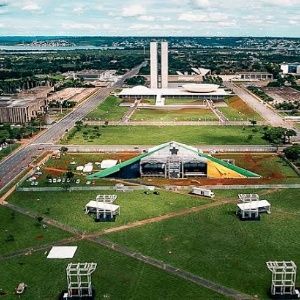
<point>201,88</point>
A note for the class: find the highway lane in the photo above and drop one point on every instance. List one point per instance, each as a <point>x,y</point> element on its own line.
<point>140,148</point>
<point>20,160</point>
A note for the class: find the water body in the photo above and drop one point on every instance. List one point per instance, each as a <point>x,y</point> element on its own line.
<point>49,48</point>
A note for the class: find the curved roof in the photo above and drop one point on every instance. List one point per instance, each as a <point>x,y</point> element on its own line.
<point>201,88</point>
<point>140,88</point>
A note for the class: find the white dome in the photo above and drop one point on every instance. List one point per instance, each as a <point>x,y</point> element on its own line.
<point>140,88</point>
<point>201,88</point>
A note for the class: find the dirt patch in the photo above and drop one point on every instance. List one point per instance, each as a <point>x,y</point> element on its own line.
<point>238,104</point>
<point>55,172</point>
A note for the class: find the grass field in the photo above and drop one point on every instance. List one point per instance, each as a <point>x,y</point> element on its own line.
<point>215,244</point>
<point>5,152</point>
<point>134,206</point>
<point>155,135</point>
<point>188,114</point>
<point>25,232</point>
<point>182,101</point>
<point>116,277</point>
<point>238,110</point>
<point>109,110</point>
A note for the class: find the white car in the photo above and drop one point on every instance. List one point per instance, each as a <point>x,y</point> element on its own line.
<point>58,180</point>
<point>77,181</point>
<point>54,180</point>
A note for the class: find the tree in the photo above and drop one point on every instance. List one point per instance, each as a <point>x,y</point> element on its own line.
<point>290,133</point>
<point>293,152</point>
<point>63,150</point>
<point>70,175</point>
<point>78,125</point>
<point>275,135</point>
<point>253,122</point>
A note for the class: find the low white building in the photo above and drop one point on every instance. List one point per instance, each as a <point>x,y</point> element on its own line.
<point>194,91</point>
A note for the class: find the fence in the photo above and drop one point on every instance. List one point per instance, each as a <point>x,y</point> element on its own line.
<point>84,188</point>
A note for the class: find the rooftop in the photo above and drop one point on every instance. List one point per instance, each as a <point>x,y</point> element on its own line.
<point>144,91</point>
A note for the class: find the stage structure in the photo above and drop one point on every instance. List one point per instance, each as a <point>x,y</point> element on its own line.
<point>174,160</point>
<point>79,277</point>
<point>283,278</point>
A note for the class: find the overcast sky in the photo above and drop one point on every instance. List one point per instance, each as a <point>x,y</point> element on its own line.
<point>151,17</point>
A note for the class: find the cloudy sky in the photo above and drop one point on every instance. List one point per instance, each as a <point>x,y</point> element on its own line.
<point>151,17</point>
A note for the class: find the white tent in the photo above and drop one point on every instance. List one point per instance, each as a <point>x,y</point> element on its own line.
<point>102,208</point>
<point>88,168</point>
<point>109,163</point>
<point>62,252</point>
<point>262,206</point>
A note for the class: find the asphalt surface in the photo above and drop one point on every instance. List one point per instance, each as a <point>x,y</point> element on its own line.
<point>20,160</point>
<point>205,148</point>
<point>266,112</point>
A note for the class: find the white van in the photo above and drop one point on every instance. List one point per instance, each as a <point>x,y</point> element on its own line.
<point>203,192</point>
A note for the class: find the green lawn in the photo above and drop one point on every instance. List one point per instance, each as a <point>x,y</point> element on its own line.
<point>174,115</point>
<point>109,110</point>
<point>25,232</point>
<point>155,135</point>
<point>68,207</point>
<point>238,110</point>
<point>5,152</point>
<point>116,277</point>
<point>182,101</point>
<point>215,244</point>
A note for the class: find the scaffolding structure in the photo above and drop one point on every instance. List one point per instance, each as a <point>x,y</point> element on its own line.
<point>79,277</point>
<point>107,198</point>
<point>103,207</point>
<point>244,198</point>
<point>283,277</point>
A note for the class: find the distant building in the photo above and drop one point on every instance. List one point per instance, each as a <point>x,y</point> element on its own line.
<point>248,76</point>
<point>154,64</point>
<point>24,107</point>
<point>293,68</point>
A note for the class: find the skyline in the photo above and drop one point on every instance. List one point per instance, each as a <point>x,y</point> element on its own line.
<point>274,18</point>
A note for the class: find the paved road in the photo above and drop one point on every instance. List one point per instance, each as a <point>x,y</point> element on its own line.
<point>268,114</point>
<point>206,148</point>
<point>15,164</point>
<point>174,123</point>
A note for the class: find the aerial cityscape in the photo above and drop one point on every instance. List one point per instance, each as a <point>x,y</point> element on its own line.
<point>149,150</point>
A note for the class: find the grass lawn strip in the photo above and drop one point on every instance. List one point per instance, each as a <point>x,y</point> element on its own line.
<point>155,135</point>
<point>116,277</point>
<point>19,232</point>
<point>109,110</point>
<point>215,244</point>
<point>68,207</point>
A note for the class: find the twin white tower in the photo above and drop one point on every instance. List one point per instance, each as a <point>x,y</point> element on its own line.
<point>154,65</point>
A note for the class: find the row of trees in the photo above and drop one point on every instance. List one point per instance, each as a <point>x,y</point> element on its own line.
<point>8,132</point>
<point>260,93</point>
<point>279,135</point>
